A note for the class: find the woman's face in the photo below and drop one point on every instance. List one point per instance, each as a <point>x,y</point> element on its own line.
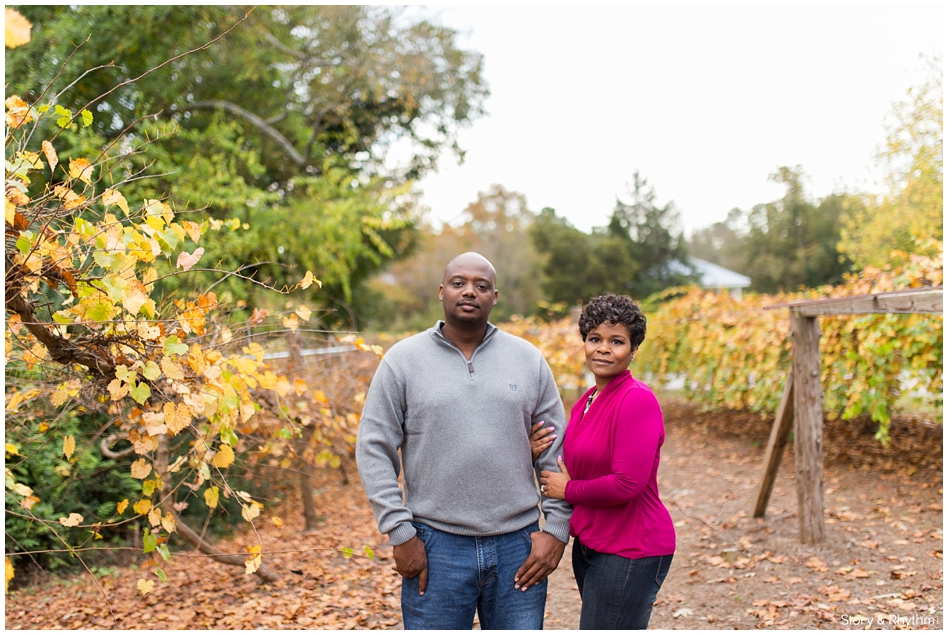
<point>608,351</point>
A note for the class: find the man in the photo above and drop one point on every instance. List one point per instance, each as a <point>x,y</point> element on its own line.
<point>458,401</point>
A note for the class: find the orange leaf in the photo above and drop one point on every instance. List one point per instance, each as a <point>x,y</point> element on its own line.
<point>80,169</point>
<point>50,153</point>
<point>18,29</point>
<point>18,111</point>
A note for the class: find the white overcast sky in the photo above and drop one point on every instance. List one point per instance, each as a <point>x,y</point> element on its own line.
<point>704,101</point>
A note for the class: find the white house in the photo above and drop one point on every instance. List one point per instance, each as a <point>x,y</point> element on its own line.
<point>714,276</point>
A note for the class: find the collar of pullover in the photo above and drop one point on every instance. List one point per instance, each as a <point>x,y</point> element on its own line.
<point>439,336</point>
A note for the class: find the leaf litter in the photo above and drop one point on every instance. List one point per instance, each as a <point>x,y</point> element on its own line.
<point>882,556</point>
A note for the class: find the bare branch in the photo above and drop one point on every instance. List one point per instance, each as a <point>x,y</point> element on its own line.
<point>262,125</point>
<point>109,453</point>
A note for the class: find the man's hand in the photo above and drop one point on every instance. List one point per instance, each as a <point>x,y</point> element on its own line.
<point>544,557</point>
<point>411,561</point>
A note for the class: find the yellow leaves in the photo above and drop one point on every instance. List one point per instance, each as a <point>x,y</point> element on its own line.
<point>18,398</point>
<point>171,369</point>
<point>193,319</point>
<point>134,298</point>
<point>194,230</point>
<point>117,389</point>
<point>291,322</point>
<point>224,457</point>
<point>22,489</point>
<point>250,510</point>
<point>64,391</point>
<point>253,560</point>
<point>71,200</point>
<point>304,312</point>
<point>72,521</point>
<point>141,469</point>
<point>147,331</point>
<point>11,449</point>
<point>146,586</point>
<point>18,111</point>
<point>17,29</point>
<point>299,387</point>
<point>114,197</point>
<point>154,516</point>
<point>211,495</point>
<point>8,575</point>
<point>196,359</point>
<point>277,521</point>
<point>186,260</point>
<point>142,507</point>
<point>81,169</point>
<point>282,387</point>
<point>177,417</point>
<point>168,522</point>
<point>69,446</point>
<point>121,507</point>
<point>308,280</point>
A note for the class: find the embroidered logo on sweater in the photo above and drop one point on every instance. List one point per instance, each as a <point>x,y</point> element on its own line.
<point>513,387</point>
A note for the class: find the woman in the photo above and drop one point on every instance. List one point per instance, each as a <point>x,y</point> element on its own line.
<point>623,536</point>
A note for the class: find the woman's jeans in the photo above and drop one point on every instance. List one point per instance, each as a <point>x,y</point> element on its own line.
<point>617,592</point>
<point>468,574</point>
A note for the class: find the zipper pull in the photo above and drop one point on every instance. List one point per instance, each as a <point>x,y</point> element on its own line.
<point>470,367</point>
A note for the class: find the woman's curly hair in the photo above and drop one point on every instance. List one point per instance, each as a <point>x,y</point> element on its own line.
<point>614,309</point>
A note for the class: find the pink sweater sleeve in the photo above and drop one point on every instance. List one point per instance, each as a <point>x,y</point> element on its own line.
<point>638,432</point>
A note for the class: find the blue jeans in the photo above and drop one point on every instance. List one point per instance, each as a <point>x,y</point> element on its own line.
<point>617,592</point>
<point>468,574</point>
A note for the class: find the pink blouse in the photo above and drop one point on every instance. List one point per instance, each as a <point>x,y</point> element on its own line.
<point>612,454</point>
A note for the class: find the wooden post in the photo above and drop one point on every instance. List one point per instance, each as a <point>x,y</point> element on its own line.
<point>779,435</point>
<point>808,425</point>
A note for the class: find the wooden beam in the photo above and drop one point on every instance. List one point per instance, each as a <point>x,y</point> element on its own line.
<point>779,435</point>
<point>909,301</point>
<point>808,426</point>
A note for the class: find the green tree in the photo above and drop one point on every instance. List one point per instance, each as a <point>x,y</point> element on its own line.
<point>577,266</point>
<point>652,239</point>
<point>784,244</point>
<point>908,218</point>
<point>284,124</point>
<point>792,242</point>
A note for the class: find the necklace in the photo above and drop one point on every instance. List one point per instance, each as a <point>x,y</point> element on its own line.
<point>589,402</point>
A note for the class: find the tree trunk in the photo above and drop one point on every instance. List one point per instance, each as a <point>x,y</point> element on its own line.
<point>161,468</point>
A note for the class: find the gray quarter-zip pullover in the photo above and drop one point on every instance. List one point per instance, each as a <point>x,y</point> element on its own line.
<point>463,428</point>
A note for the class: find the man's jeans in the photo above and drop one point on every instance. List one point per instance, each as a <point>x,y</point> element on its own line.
<point>468,574</point>
<point>617,592</point>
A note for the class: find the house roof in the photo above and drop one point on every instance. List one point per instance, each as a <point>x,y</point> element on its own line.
<point>715,276</point>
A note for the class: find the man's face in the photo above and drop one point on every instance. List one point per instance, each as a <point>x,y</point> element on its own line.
<point>467,291</point>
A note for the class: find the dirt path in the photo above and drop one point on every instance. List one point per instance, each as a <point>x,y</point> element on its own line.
<point>882,557</point>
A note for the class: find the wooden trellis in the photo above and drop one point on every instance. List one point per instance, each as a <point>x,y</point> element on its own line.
<point>802,401</point>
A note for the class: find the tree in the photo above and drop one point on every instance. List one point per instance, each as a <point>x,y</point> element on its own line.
<point>284,123</point>
<point>577,266</point>
<point>783,244</point>
<point>95,357</point>
<point>649,233</point>
<point>496,225</point>
<point>908,218</point>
